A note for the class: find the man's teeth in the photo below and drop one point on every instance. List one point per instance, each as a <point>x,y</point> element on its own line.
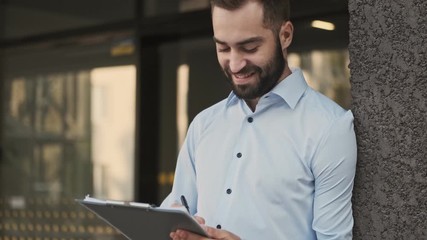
<point>243,75</point>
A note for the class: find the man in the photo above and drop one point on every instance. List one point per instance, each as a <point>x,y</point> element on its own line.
<point>275,160</point>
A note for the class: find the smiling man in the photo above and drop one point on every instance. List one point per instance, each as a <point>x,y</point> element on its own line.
<point>276,159</point>
<point>249,50</point>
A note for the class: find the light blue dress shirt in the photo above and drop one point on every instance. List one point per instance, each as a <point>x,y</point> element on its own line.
<point>282,172</point>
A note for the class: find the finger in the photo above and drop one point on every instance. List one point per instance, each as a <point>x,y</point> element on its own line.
<point>220,234</point>
<point>173,236</point>
<point>214,233</point>
<point>185,235</point>
<point>200,220</point>
<point>176,205</point>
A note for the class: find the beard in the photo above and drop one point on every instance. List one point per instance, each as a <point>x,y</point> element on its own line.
<point>267,76</point>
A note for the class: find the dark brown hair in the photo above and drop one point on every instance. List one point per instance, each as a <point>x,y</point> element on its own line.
<point>275,11</point>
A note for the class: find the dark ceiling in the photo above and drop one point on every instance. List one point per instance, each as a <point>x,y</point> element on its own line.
<point>27,18</point>
<point>95,9</point>
<point>313,8</point>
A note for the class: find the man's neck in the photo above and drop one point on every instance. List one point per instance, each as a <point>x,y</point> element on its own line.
<point>252,103</point>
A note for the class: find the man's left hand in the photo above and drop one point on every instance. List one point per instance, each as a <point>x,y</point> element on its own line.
<point>212,232</point>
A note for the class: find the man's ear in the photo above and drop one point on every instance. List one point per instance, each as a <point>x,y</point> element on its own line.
<point>286,33</point>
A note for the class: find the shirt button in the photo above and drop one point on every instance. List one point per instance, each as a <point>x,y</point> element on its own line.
<point>250,119</point>
<point>239,155</point>
<point>229,191</point>
<point>218,226</point>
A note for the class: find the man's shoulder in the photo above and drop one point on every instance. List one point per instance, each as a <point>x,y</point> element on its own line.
<point>320,106</point>
<point>204,119</point>
<point>212,111</point>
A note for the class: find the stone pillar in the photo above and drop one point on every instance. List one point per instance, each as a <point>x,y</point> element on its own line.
<point>388,49</point>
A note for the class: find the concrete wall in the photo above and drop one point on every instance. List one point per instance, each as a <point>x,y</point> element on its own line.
<point>388,43</point>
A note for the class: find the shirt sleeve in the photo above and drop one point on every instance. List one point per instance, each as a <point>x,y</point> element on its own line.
<point>334,166</point>
<point>185,174</point>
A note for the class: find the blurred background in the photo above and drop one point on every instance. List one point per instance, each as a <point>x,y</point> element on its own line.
<point>96,97</point>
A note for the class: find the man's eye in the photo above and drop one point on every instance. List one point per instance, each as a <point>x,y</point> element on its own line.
<point>223,49</point>
<point>250,50</point>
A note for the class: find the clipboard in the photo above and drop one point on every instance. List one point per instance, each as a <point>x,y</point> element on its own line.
<point>140,220</point>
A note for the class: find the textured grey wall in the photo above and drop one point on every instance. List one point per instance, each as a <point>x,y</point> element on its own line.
<point>388,43</point>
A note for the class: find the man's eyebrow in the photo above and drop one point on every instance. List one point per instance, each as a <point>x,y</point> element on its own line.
<point>251,40</point>
<point>218,41</point>
<point>246,41</point>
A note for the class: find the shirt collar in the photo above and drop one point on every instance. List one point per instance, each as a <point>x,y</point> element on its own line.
<point>289,89</point>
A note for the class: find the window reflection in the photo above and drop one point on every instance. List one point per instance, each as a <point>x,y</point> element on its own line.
<point>326,71</point>
<point>65,135</point>
<point>113,131</point>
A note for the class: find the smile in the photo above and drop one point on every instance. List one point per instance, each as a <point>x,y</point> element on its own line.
<point>243,75</point>
<point>243,78</point>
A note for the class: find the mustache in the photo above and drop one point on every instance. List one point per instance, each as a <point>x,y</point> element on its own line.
<point>247,69</point>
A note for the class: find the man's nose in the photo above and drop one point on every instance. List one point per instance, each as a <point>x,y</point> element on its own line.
<point>237,62</point>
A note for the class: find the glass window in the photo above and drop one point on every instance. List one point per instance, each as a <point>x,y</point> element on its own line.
<point>22,18</point>
<point>113,130</point>
<point>326,71</point>
<point>68,123</point>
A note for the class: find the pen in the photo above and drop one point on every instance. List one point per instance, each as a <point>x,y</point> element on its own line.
<point>184,202</point>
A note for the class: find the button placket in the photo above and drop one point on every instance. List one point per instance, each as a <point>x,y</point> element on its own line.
<point>229,190</point>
